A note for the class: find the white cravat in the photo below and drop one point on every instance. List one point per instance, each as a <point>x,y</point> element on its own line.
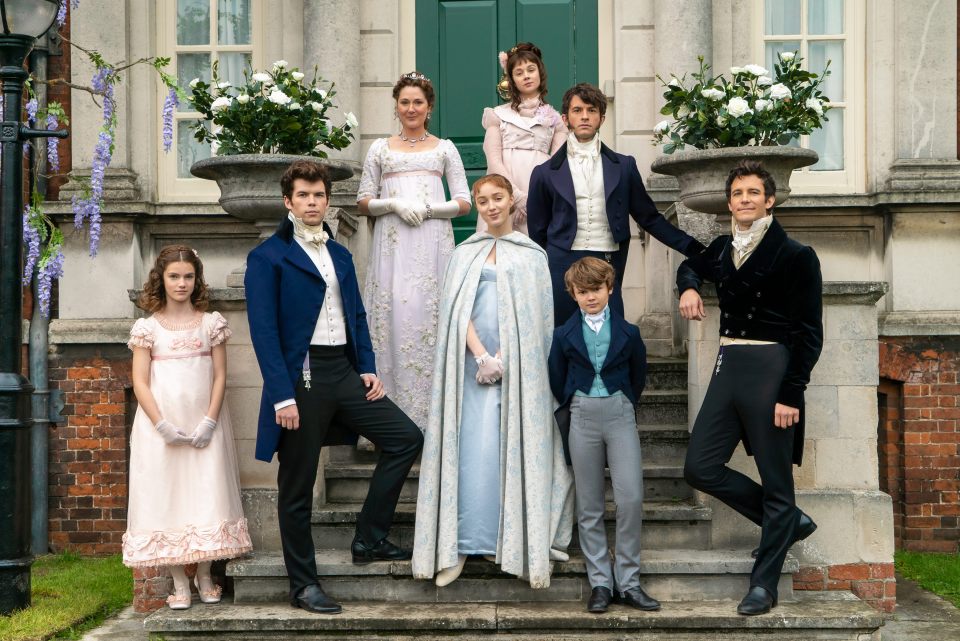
<point>744,242</point>
<point>586,170</point>
<point>595,321</point>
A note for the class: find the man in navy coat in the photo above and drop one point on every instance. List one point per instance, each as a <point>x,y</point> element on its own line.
<point>580,200</point>
<point>309,331</point>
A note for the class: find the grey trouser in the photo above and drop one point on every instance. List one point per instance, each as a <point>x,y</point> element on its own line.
<point>603,432</point>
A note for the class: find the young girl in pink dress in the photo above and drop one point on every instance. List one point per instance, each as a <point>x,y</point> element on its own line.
<point>184,485</point>
<point>524,133</point>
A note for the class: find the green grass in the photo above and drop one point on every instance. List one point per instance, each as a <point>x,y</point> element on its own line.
<point>938,573</point>
<point>71,594</point>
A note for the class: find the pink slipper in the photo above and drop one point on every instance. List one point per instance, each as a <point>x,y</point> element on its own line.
<point>208,596</point>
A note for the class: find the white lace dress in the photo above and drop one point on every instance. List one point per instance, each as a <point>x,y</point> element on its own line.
<point>406,267</point>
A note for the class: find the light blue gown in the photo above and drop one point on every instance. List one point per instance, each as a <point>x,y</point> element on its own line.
<point>479,482</point>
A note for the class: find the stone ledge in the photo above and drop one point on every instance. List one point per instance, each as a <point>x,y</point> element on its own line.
<point>78,331</point>
<point>912,323</point>
<point>834,292</point>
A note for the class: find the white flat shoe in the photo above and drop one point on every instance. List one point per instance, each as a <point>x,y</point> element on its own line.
<point>446,576</point>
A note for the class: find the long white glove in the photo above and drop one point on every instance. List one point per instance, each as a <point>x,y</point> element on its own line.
<point>449,209</point>
<point>403,208</point>
<point>172,435</point>
<point>204,432</point>
<point>489,369</point>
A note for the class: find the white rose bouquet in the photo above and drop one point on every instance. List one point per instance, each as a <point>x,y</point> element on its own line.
<point>754,108</point>
<point>273,112</point>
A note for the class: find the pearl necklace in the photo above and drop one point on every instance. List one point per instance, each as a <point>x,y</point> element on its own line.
<point>413,140</point>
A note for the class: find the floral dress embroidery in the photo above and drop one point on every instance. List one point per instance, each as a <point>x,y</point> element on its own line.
<point>406,267</point>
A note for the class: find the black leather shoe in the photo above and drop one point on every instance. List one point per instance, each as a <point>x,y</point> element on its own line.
<point>382,551</point>
<point>757,601</point>
<point>805,527</point>
<point>600,599</point>
<point>637,598</point>
<point>313,599</point>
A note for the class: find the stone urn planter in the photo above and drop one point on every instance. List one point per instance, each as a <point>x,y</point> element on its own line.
<point>702,173</point>
<point>250,189</point>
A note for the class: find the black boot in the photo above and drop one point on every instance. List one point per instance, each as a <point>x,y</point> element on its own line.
<point>638,599</point>
<point>805,527</point>
<point>758,601</point>
<point>313,599</point>
<point>600,599</point>
<point>382,551</point>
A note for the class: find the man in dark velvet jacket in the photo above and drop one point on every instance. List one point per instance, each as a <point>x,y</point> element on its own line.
<point>581,200</point>
<point>771,334</point>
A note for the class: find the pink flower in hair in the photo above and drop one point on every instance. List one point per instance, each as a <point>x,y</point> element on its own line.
<point>502,57</point>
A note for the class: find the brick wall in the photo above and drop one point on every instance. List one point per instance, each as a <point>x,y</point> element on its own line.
<point>921,439</point>
<point>890,451</point>
<point>89,455</point>
<point>872,582</point>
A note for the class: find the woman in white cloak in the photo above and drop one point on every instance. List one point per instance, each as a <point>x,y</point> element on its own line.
<point>493,480</point>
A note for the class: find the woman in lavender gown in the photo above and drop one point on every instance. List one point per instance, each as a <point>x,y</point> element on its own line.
<point>412,242</point>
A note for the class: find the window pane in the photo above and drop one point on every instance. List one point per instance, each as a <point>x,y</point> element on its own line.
<point>193,22</point>
<point>233,22</point>
<point>190,66</point>
<point>781,17</point>
<point>825,17</point>
<point>820,52</point>
<point>232,66</point>
<point>775,48</point>
<point>189,149</point>
<point>828,142</point>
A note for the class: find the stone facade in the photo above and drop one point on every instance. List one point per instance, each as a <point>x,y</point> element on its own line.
<point>898,222</point>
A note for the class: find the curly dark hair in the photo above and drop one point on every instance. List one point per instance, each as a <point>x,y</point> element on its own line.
<point>521,53</point>
<point>153,298</point>
<point>587,93</point>
<point>309,170</point>
<point>752,168</point>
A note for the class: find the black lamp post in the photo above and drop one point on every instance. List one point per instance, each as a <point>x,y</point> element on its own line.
<point>22,22</point>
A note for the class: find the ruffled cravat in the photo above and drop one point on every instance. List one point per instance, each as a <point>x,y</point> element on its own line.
<point>584,155</point>
<point>313,234</point>
<point>744,242</point>
<point>528,108</point>
<point>595,321</point>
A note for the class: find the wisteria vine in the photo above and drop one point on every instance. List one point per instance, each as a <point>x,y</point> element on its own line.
<point>42,239</point>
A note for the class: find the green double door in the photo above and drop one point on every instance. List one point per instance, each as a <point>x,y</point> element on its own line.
<point>457,46</point>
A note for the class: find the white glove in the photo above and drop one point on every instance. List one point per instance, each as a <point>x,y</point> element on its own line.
<point>489,369</point>
<point>399,206</point>
<point>449,209</point>
<point>170,433</point>
<point>203,433</point>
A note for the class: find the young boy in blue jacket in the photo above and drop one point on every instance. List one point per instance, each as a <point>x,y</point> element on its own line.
<point>598,366</point>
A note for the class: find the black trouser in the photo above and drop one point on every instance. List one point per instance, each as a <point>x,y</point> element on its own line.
<point>337,393</point>
<point>559,261</point>
<point>740,402</point>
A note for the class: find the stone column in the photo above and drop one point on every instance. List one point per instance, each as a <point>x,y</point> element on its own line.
<point>682,31</point>
<point>838,483</point>
<point>331,40</point>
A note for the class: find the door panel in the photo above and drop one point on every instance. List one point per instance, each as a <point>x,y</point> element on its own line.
<point>457,45</point>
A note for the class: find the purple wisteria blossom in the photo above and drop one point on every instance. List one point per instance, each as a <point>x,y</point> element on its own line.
<point>50,270</point>
<point>62,13</point>
<point>31,240</point>
<point>53,150</point>
<point>169,106</point>
<point>88,206</point>
<point>32,107</point>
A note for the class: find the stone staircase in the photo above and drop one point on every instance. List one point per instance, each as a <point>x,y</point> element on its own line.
<point>383,601</point>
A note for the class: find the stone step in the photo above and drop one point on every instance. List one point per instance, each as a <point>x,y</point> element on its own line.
<point>349,483</point>
<point>662,443</point>
<point>666,374</point>
<point>666,524</point>
<point>662,407</point>
<point>667,574</point>
<point>813,617</point>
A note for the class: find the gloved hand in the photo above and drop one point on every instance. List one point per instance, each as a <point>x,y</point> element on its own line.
<point>447,210</point>
<point>400,207</point>
<point>204,432</point>
<point>171,434</point>
<point>489,369</point>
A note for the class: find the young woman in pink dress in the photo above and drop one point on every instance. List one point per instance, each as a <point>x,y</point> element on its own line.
<point>525,132</point>
<point>184,504</point>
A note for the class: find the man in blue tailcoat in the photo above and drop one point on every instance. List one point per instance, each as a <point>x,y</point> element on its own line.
<point>309,331</point>
<point>581,200</point>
